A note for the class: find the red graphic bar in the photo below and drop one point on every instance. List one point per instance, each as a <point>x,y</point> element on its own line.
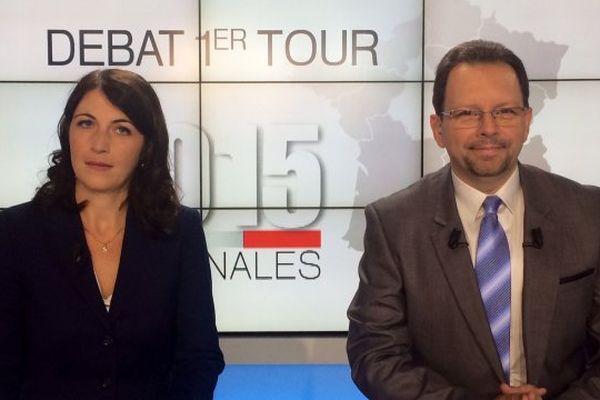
<point>282,239</point>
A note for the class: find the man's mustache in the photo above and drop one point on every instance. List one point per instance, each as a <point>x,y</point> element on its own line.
<point>495,142</point>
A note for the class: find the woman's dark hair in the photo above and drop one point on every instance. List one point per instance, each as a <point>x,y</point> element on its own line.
<point>474,52</point>
<point>152,196</point>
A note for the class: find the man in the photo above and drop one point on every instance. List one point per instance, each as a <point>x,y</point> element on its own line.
<point>480,281</point>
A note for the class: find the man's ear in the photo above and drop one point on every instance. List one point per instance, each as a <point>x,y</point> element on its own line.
<point>435,121</point>
<point>528,117</point>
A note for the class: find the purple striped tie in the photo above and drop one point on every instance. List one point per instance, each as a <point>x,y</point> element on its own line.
<point>493,276</point>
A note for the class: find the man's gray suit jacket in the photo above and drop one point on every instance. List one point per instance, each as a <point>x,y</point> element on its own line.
<point>418,328</point>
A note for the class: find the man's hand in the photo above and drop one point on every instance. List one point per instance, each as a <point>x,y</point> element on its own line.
<point>524,392</point>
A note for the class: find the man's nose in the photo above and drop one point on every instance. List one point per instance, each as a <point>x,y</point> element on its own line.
<point>488,124</point>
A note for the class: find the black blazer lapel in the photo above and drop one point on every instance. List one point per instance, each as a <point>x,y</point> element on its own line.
<point>133,261</point>
<point>67,246</point>
<point>458,270</point>
<point>140,254</point>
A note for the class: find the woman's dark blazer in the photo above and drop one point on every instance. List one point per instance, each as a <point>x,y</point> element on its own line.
<point>57,341</point>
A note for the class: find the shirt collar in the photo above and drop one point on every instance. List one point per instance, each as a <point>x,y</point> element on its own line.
<point>473,198</point>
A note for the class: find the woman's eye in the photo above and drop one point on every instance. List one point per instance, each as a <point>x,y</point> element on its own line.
<point>123,130</point>
<point>84,123</point>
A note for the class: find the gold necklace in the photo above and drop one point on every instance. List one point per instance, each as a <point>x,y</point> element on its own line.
<point>104,245</point>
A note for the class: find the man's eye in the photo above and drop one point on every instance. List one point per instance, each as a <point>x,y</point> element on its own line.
<point>509,111</point>
<point>464,113</point>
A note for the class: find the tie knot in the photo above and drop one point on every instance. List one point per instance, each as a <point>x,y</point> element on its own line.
<point>491,204</point>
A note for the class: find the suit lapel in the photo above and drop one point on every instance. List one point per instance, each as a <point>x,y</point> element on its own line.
<point>458,269</point>
<point>541,275</point>
<point>68,247</point>
<point>136,255</point>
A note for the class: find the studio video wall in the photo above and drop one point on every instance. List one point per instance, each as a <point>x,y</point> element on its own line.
<point>286,118</point>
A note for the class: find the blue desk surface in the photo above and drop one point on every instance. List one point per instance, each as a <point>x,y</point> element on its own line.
<point>286,382</point>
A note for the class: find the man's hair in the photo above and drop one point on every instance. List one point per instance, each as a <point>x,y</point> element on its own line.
<point>151,195</point>
<point>476,52</point>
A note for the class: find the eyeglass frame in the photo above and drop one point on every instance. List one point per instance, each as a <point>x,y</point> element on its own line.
<point>479,113</point>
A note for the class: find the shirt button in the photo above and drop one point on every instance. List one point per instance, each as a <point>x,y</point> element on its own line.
<point>106,383</point>
<point>107,342</point>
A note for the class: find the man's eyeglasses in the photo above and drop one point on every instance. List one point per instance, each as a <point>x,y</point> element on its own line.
<point>472,118</point>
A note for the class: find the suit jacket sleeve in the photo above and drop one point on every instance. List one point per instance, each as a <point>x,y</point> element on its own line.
<point>379,345</point>
<point>588,386</point>
<point>10,319</point>
<point>198,358</point>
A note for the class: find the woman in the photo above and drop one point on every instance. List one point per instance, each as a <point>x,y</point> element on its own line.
<point>105,288</point>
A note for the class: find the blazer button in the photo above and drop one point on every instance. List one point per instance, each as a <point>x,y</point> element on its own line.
<point>107,342</point>
<point>106,383</point>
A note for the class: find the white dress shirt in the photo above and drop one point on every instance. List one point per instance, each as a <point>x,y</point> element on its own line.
<point>511,216</point>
